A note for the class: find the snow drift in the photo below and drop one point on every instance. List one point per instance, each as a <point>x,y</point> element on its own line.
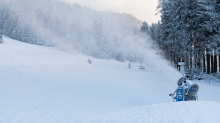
<point>181,112</point>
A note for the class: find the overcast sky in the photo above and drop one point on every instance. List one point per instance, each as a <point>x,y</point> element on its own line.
<point>144,10</point>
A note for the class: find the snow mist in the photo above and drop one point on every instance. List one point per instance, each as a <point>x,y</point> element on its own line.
<point>75,28</point>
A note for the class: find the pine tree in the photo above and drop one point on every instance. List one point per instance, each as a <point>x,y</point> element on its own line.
<point>208,14</point>
<point>145,27</point>
<point>212,25</point>
<point>1,40</point>
<point>180,24</point>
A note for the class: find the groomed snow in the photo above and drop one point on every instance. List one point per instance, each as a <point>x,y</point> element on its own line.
<point>181,112</point>
<point>41,84</point>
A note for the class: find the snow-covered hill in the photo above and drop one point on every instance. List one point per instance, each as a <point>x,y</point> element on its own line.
<point>182,112</point>
<point>45,85</point>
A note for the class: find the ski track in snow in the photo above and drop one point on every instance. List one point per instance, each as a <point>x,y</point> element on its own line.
<point>45,85</point>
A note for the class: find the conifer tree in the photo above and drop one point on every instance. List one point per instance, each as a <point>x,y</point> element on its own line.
<point>1,40</point>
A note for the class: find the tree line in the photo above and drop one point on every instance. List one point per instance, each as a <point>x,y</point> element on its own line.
<point>189,31</point>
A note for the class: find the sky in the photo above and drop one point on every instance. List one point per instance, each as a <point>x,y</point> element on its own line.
<point>144,10</point>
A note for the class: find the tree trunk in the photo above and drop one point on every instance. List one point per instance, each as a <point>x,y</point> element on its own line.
<point>212,65</point>
<point>189,62</point>
<point>197,62</point>
<point>201,64</point>
<point>218,62</point>
<point>177,62</point>
<point>174,60</point>
<point>208,63</point>
<point>215,63</point>
<point>204,63</point>
<point>185,62</point>
<point>193,61</point>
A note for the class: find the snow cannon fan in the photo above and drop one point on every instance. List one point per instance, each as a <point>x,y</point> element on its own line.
<point>192,90</point>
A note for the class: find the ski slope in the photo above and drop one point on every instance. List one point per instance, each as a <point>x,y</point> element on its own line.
<point>41,84</point>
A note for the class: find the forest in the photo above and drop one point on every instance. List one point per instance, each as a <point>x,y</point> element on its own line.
<point>189,31</point>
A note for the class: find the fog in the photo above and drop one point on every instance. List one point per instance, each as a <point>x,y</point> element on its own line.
<point>77,29</point>
<point>144,10</point>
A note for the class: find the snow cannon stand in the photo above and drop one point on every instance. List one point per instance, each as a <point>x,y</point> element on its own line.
<point>186,91</point>
<point>179,95</point>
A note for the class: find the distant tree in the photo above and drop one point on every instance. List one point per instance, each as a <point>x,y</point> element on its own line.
<point>158,34</point>
<point>145,27</point>
<point>1,40</point>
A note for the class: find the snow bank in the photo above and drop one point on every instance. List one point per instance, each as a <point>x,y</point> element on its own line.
<point>181,112</point>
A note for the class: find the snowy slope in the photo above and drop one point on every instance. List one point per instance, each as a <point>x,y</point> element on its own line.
<point>181,112</point>
<point>45,85</point>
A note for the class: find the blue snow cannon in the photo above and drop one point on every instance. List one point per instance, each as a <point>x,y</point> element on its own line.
<point>185,91</point>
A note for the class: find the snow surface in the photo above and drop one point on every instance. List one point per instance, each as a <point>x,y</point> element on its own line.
<point>41,84</point>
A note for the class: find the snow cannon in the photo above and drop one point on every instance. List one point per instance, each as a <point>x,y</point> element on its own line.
<point>185,91</point>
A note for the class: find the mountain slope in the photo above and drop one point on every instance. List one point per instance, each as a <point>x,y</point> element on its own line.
<point>181,112</point>
<point>45,85</point>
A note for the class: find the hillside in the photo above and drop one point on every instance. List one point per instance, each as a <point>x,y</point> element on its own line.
<point>41,84</point>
